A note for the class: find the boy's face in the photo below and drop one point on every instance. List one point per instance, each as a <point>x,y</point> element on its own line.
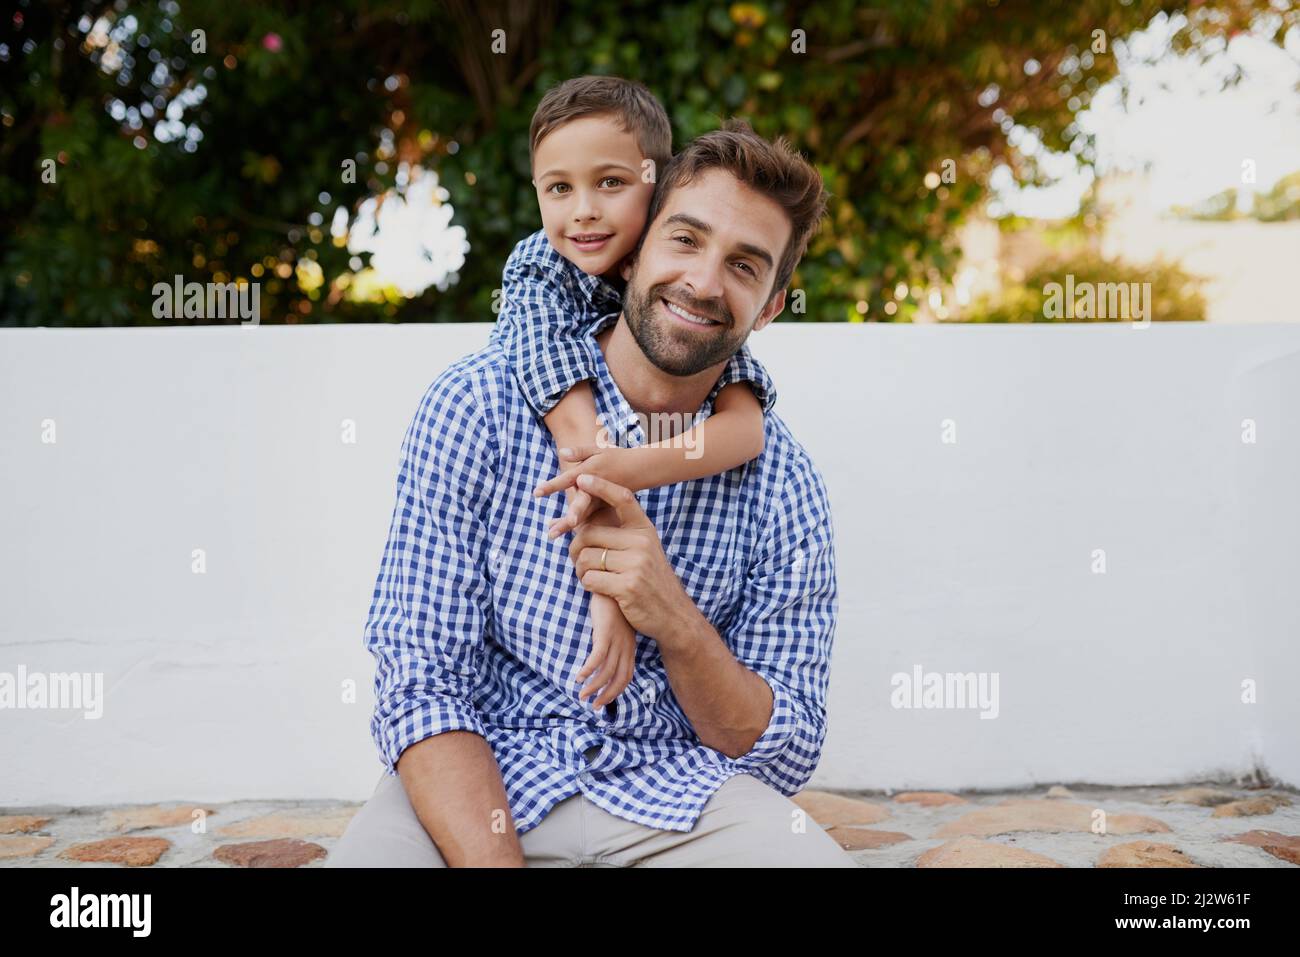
<point>702,280</point>
<point>587,175</point>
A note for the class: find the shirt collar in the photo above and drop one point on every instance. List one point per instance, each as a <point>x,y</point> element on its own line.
<point>615,412</point>
<point>599,292</point>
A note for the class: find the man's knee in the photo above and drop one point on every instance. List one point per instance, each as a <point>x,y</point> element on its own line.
<point>386,833</point>
<point>769,830</point>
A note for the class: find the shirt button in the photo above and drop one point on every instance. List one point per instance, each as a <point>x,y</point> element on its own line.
<point>647,691</point>
<point>496,558</point>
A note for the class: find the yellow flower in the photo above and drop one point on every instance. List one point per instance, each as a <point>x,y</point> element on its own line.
<point>310,275</point>
<point>747,16</point>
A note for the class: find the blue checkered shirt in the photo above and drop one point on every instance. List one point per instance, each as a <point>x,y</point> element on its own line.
<point>549,308</point>
<point>479,623</point>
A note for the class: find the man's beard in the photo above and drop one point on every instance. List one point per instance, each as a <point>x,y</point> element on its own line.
<point>672,348</point>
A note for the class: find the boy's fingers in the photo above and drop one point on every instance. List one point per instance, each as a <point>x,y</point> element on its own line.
<point>617,683</point>
<point>577,453</point>
<point>593,661</point>
<point>622,678</point>
<point>571,519</point>
<point>600,680</point>
<point>559,483</point>
<point>580,503</point>
<point>623,501</point>
<point>579,512</point>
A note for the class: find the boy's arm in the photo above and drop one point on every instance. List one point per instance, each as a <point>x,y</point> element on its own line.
<point>542,329</point>
<point>730,437</point>
<point>572,422</point>
<point>734,431</point>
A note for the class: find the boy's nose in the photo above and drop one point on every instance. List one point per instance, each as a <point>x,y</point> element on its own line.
<point>586,208</point>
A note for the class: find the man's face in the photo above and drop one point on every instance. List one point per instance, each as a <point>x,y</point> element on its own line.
<point>702,280</point>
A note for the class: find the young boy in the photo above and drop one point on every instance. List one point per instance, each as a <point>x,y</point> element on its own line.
<point>596,144</point>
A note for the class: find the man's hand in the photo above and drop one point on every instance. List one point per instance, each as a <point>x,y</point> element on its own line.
<point>609,462</point>
<point>629,565</point>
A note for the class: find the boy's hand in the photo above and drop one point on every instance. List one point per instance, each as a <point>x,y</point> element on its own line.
<point>610,464</point>
<point>613,652</point>
<point>613,639</point>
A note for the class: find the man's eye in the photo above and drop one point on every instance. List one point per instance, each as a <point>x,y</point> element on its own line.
<point>684,238</point>
<point>748,267</point>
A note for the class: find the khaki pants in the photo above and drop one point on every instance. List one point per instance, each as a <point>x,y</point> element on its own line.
<point>745,824</point>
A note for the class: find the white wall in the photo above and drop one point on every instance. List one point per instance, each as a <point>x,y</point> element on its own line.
<point>973,556</point>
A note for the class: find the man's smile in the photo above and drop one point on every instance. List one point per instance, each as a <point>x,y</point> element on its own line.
<point>690,318</point>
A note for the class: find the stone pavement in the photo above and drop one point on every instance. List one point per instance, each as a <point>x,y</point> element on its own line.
<point>1182,826</point>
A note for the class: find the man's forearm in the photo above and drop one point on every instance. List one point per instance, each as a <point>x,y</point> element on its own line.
<point>454,785</point>
<point>728,705</point>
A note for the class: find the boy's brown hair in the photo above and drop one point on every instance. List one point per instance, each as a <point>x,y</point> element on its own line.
<point>638,111</point>
<point>772,168</point>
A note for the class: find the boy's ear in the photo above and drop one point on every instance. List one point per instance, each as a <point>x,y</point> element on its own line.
<point>626,267</point>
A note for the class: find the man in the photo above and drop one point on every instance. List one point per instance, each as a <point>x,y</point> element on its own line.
<point>479,621</point>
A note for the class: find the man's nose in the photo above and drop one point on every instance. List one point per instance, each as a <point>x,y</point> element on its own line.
<point>703,277</point>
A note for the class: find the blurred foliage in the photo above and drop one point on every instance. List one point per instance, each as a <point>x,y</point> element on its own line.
<point>1279,204</point>
<point>1175,294</point>
<point>880,97</point>
<point>1220,207</point>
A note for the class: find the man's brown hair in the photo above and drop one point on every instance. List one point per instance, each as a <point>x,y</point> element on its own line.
<point>772,168</point>
<point>638,111</point>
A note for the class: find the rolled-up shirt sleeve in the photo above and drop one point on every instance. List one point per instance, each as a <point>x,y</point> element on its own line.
<point>785,628</point>
<point>743,367</point>
<point>430,609</point>
<point>543,330</point>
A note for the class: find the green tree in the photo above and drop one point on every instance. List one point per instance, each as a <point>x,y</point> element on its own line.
<point>222,158</point>
<point>1175,294</point>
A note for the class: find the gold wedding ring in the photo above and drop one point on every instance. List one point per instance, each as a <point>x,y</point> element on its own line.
<point>604,555</point>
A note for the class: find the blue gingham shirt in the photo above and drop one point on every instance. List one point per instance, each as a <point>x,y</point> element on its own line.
<point>479,623</point>
<point>548,309</point>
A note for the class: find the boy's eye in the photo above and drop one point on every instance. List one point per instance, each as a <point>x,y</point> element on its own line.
<point>611,179</point>
<point>556,186</point>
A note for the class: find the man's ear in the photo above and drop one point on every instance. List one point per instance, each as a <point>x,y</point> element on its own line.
<point>770,311</point>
